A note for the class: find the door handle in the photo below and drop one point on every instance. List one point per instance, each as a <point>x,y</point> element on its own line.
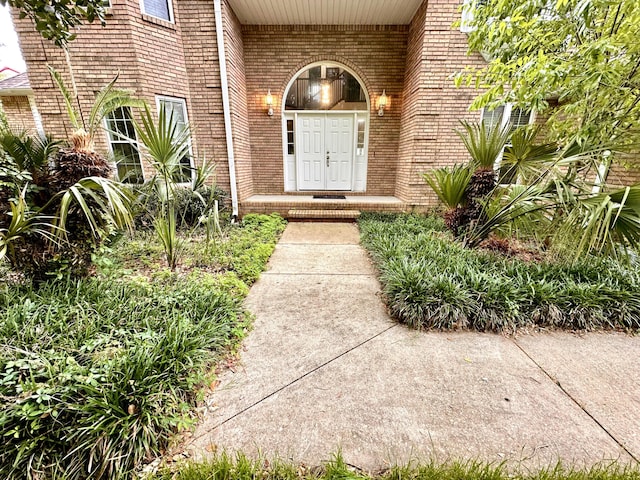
<point>327,158</point>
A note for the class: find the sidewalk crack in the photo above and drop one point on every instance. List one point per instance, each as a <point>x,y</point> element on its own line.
<point>296,380</point>
<point>575,400</point>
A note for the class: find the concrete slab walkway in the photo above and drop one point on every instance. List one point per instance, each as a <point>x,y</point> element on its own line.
<point>325,368</point>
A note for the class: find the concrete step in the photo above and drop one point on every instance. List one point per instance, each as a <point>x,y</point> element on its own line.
<point>322,215</point>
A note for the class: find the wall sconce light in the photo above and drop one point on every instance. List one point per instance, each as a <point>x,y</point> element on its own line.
<point>382,103</point>
<point>269,103</point>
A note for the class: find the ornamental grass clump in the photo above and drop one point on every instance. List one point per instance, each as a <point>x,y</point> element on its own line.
<point>431,281</point>
<point>97,375</point>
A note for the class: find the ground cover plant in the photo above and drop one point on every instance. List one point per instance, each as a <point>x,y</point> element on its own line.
<point>225,467</point>
<point>431,281</point>
<point>97,374</point>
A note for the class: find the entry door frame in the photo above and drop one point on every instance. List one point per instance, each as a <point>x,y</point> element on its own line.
<point>359,163</point>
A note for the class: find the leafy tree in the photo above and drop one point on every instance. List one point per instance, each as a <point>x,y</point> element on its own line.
<point>584,54</point>
<point>55,19</point>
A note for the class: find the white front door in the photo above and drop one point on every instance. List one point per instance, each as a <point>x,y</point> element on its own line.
<point>325,153</point>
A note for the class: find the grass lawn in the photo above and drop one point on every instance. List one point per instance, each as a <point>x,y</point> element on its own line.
<point>97,375</point>
<point>431,281</point>
<point>223,467</point>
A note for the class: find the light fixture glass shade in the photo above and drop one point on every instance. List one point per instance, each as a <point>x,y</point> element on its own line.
<point>382,102</point>
<point>269,98</point>
<point>383,99</point>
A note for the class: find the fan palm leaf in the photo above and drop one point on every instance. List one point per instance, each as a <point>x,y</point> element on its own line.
<point>100,200</point>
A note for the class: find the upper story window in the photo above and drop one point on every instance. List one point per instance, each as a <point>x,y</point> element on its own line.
<point>513,117</point>
<point>161,9</point>
<point>178,108</point>
<point>124,145</point>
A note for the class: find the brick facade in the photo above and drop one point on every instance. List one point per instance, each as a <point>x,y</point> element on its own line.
<point>375,54</point>
<point>412,63</point>
<point>434,106</point>
<point>18,113</point>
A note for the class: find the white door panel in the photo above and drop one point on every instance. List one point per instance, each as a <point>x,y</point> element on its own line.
<point>311,156</point>
<point>326,154</point>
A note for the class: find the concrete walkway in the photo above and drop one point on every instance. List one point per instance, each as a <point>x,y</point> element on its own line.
<point>326,369</point>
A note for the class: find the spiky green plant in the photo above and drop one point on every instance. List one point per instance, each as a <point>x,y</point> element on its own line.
<point>165,144</point>
<point>484,142</point>
<point>523,158</point>
<point>449,184</point>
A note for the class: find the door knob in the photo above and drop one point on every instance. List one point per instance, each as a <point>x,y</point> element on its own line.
<point>327,158</point>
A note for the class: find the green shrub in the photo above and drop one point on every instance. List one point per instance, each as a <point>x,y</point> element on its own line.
<point>97,375</point>
<point>191,206</point>
<point>430,281</point>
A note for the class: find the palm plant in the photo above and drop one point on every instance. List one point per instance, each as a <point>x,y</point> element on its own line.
<point>81,160</point>
<point>485,144</point>
<point>165,145</point>
<point>71,192</point>
<point>450,185</point>
<point>523,159</point>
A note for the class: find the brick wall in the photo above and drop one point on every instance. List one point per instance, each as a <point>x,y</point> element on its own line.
<point>198,26</point>
<point>151,56</point>
<point>274,54</point>
<point>234,50</point>
<point>434,105</point>
<point>18,113</point>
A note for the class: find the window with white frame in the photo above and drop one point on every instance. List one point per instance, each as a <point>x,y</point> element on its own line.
<point>176,108</point>
<point>161,9</point>
<point>124,145</point>
<point>511,117</point>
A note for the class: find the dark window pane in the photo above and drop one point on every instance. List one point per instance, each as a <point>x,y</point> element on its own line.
<point>184,172</point>
<point>128,163</point>
<point>290,149</point>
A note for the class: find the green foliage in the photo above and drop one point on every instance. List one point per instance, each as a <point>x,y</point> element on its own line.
<point>165,228</point>
<point>166,144</point>
<point>450,183</point>
<point>225,467</point>
<point>56,22</point>
<point>193,207</point>
<point>523,158</point>
<point>107,100</point>
<point>29,153</point>
<point>584,53</point>
<point>484,142</point>
<point>429,281</point>
<point>97,375</point>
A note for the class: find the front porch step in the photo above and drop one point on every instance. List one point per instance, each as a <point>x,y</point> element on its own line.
<point>323,215</point>
<point>286,203</point>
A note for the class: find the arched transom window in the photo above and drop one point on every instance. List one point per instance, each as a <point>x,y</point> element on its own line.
<point>326,86</point>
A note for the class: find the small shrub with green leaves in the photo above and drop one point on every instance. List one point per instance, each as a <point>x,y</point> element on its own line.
<point>191,206</point>
<point>430,281</point>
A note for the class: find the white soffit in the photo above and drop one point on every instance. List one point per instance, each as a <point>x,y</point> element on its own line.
<point>325,12</point>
